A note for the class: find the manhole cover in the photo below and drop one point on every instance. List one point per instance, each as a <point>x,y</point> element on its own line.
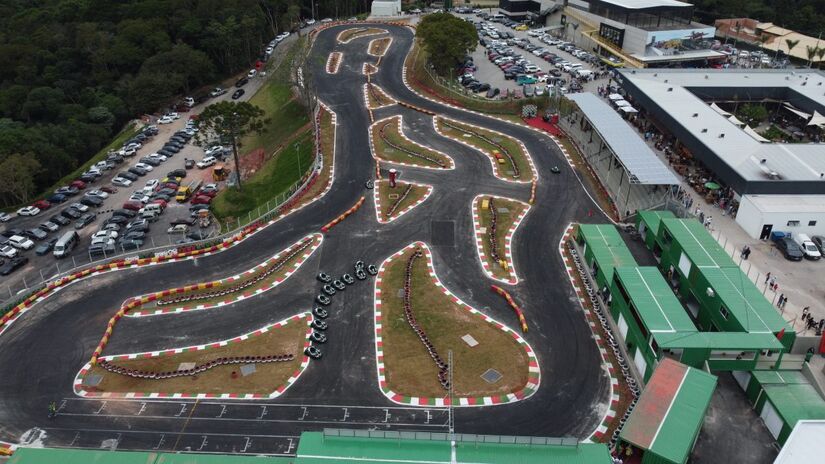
<point>482,230</point>
<point>497,139</point>
<point>393,196</point>
<point>442,233</point>
<point>469,340</point>
<point>247,369</point>
<point>92,380</point>
<point>186,366</point>
<point>491,376</point>
<point>400,293</point>
<point>389,150</point>
<point>502,210</point>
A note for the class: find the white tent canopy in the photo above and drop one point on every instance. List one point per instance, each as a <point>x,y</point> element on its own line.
<point>615,96</point>
<point>628,109</point>
<point>736,121</point>
<point>622,103</point>
<point>719,110</point>
<point>755,135</point>
<point>795,111</point>
<point>817,120</point>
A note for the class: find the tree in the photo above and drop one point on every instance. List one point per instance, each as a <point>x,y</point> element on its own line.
<point>230,121</point>
<point>17,174</point>
<point>820,53</point>
<point>447,39</point>
<point>750,113</point>
<point>811,51</point>
<point>791,44</point>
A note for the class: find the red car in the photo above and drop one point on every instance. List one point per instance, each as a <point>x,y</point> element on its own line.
<point>133,205</point>
<point>108,189</point>
<point>201,200</point>
<point>42,204</point>
<point>208,193</point>
<point>160,202</point>
<point>78,184</point>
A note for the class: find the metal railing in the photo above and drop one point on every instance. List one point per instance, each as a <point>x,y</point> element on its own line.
<point>458,437</point>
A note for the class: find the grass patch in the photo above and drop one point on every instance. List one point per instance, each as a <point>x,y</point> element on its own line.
<point>387,204</point>
<point>376,97</point>
<point>271,182</point>
<point>356,32</point>
<point>410,370</point>
<point>393,134</point>
<point>328,151</point>
<point>504,221</point>
<point>378,47</point>
<point>266,379</point>
<point>503,169</point>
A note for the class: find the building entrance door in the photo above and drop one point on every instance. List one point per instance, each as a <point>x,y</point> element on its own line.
<point>766,232</point>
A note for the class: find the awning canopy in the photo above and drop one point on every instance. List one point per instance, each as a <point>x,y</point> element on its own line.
<point>621,103</point>
<point>817,120</point>
<point>628,109</point>
<point>755,134</point>
<point>795,111</point>
<point>736,121</point>
<point>615,96</point>
<point>716,108</point>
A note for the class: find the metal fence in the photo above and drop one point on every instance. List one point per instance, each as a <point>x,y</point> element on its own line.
<point>458,437</point>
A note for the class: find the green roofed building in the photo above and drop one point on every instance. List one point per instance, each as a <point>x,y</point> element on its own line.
<point>647,223</point>
<point>666,421</point>
<point>603,250</point>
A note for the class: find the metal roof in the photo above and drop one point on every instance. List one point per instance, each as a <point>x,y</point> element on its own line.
<point>796,402</point>
<point>655,302</point>
<point>805,443</point>
<point>734,341</point>
<point>700,247</point>
<point>670,412</point>
<point>780,377</point>
<point>677,92</point>
<point>744,301</point>
<point>640,4</point>
<point>654,218</point>
<point>607,246</point>
<point>637,158</point>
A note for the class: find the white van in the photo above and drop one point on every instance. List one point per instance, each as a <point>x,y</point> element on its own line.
<point>808,247</point>
<point>153,208</point>
<point>498,17</point>
<point>65,244</point>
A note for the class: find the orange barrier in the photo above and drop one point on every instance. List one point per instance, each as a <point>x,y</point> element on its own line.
<point>512,304</point>
<point>413,107</point>
<point>343,216</point>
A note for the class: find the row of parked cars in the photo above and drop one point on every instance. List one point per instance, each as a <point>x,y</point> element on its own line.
<point>147,163</point>
<point>795,247</point>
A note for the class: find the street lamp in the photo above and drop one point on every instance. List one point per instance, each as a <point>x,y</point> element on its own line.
<point>298,155</point>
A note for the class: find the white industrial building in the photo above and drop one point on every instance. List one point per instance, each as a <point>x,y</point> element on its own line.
<point>385,8</point>
<point>759,215</point>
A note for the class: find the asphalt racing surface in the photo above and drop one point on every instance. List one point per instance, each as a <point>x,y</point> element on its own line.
<point>42,351</point>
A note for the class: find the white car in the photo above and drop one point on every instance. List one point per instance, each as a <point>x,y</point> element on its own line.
<point>151,184</point>
<point>127,152</point>
<point>178,229</point>
<point>121,182</point>
<point>4,217</point>
<point>97,193</point>
<point>80,207</point>
<point>329,20</point>
<point>104,236</point>
<point>269,50</point>
<point>21,243</point>
<point>310,22</point>
<point>158,156</point>
<point>7,251</point>
<point>139,196</point>
<point>206,162</point>
<point>252,73</point>
<point>213,150</point>
<point>173,115</point>
<point>145,166</point>
<point>166,120</point>
<point>28,211</point>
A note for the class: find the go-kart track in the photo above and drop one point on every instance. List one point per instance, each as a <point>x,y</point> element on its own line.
<point>42,352</point>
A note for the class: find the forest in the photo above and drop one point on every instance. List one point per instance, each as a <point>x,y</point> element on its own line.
<point>805,16</point>
<point>73,72</point>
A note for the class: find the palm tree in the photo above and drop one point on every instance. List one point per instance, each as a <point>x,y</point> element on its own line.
<point>811,51</point>
<point>820,54</point>
<point>791,44</point>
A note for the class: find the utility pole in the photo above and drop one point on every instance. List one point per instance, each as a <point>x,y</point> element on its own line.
<point>234,135</point>
<point>298,156</point>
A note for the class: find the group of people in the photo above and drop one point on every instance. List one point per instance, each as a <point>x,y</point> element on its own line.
<point>809,322</point>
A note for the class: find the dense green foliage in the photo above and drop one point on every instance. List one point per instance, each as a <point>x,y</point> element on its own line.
<point>72,72</point>
<point>805,16</point>
<point>447,39</point>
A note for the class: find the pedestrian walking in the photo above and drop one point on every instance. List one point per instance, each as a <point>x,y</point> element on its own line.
<point>773,283</point>
<point>780,300</point>
<point>767,278</point>
<point>784,302</point>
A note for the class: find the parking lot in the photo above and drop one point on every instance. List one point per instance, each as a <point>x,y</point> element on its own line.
<point>43,266</point>
<point>489,72</point>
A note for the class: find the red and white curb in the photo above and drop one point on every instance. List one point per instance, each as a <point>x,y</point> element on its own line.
<point>581,295</point>
<point>373,133</point>
<point>398,214</point>
<point>305,316</point>
<point>316,237</point>
<point>338,57</point>
<point>359,35</point>
<point>378,90</point>
<point>480,237</point>
<point>133,263</point>
<point>384,51</point>
<point>533,376</point>
<point>490,157</point>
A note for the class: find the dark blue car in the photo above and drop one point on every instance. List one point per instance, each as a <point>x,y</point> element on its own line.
<point>57,198</point>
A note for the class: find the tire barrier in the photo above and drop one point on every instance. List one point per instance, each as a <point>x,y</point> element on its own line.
<point>343,216</point>
<point>512,304</point>
<point>277,265</point>
<point>200,368</point>
<point>400,200</point>
<point>516,172</point>
<point>412,153</point>
<point>491,233</point>
<point>378,99</point>
<point>532,192</point>
<point>334,62</point>
<point>443,369</point>
<point>612,342</point>
<point>416,108</point>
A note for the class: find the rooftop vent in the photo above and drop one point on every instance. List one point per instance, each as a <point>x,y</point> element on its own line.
<point>704,131</point>
<point>695,115</point>
<point>722,135</point>
<point>670,89</point>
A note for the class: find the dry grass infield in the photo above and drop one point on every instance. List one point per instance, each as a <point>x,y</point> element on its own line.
<point>388,205</point>
<point>376,97</point>
<point>505,167</point>
<point>392,132</point>
<point>411,371</point>
<point>266,379</point>
<point>378,47</point>
<point>504,221</point>
<point>328,150</point>
<point>356,32</point>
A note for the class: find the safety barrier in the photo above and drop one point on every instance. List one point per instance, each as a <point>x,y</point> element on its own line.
<point>506,152</point>
<point>200,368</point>
<point>416,108</point>
<point>491,232</point>
<point>512,304</point>
<point>414,154</point>
<point>400,200</point>
<point>443,369</point>
<point>343,216</point>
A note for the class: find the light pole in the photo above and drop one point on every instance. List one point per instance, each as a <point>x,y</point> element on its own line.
<point>298,155</point>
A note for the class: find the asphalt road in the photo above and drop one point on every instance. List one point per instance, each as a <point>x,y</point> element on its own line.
<point>41,353</point>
